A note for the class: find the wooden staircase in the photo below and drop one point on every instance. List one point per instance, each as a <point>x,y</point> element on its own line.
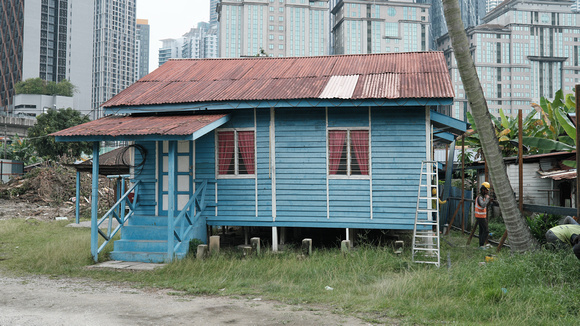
<point>144,239</point>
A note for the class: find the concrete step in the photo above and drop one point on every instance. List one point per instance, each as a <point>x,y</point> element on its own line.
<point>145,257</point>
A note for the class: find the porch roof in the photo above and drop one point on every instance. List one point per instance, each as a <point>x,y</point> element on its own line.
<point>152,128</point>
<point>446,127</point>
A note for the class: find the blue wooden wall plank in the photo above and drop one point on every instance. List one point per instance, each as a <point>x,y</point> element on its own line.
<point>398,146</point>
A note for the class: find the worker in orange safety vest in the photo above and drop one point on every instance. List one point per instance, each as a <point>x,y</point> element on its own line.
<point>481,203</point>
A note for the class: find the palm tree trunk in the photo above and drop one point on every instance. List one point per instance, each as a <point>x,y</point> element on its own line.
<point>520,236</point>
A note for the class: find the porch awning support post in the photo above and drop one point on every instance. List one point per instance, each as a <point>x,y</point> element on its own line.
<point>171,198</point>
<point>78,197</point>
<point>95,203</point>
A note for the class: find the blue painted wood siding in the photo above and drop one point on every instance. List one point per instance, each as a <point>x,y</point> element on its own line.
<point>398,145</point>
<point>236,196</point>
<point>147,200</point>
<point>349,198</point>
<point>300,165</point>
<point>398,140</point>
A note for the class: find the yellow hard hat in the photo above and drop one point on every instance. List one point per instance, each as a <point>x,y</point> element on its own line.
<point>434,191</point>
<point>486,185</point>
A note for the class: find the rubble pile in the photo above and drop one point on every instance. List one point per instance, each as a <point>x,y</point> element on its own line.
<point>51,191</point>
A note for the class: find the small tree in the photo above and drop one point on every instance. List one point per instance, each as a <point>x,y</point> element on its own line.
<point>43,87</point>
<point>53,121</point>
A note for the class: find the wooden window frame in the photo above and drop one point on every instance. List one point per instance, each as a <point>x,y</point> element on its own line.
<point>348,174</point>
<point>236,158</point>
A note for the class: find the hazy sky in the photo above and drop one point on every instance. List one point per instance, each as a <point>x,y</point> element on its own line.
<point>170,19</point>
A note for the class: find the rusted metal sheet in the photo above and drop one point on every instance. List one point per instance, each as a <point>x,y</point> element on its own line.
<point>559,175</point>
<point>375,76</point>
<point>115,126</point>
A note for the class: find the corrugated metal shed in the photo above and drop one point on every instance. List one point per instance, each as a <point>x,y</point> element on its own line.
<point>114,126</point>
<point>357,77</point>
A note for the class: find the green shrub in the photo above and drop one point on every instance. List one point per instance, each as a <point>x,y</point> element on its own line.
<point>541,223</point>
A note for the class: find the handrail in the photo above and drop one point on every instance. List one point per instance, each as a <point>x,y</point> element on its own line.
<point>117,211</point>
<point>183,223</point>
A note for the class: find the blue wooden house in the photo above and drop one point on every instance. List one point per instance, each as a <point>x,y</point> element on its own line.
<point>318,142</point>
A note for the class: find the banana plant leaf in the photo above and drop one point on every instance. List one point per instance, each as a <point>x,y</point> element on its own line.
<point>566,124</point>
<point>570,163</point>
<point>545,145</point>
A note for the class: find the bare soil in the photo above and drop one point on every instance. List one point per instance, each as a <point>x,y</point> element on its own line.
<point>63,301</point>
<point>48,301</point>
<point>15,208</point>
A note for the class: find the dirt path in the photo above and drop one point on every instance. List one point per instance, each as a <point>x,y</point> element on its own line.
<point>50,301</point>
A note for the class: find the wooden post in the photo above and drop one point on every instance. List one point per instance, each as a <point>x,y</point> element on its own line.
<point>577,151</point>
<point>171,196</point>
<point>78,198</point>
<point>95,203</point>
<point>471,234</point>
<point>521,161</point>
<point>462,183</point>
<point>453,217</point>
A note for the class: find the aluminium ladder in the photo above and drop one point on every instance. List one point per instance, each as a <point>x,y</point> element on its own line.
<point>426,228</point>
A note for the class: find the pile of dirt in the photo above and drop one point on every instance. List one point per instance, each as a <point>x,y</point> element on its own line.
<point>49,191</point>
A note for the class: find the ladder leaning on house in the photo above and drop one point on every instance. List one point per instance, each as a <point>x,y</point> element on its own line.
<point>426,228</point>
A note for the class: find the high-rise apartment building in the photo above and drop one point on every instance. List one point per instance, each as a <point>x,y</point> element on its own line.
<point>199,42</point>
<point>213,14</point>
<point>380,26</point>
<point>525,50</point>
<point>170,49</point>
<point>576,5</point>
<point>472,11</point>
<point>491,4</point>
<point>279,28</point>
<point>142,48</point>
<point>43,38</point>
<point>113,50</point>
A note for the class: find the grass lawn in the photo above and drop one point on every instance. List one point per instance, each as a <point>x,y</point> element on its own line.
<point>539,288</point>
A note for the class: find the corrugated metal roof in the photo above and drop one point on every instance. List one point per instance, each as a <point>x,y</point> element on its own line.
<point>114,126</point>
<point>559,175</point>
<point>375,76</point>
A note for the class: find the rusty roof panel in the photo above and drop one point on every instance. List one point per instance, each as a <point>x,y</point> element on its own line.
<point>175,125</point>
<point>386,76</point>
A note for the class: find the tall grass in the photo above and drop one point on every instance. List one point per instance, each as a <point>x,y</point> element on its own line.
<point>370,282</point>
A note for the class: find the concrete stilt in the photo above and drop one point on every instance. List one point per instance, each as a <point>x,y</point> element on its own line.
<point>246,250</point>
<point>307,247</point>
<point>274,239</point>
<point>202,251</point>
<point>345,246</point>
<point>214,244</point>
<point>255,243</point>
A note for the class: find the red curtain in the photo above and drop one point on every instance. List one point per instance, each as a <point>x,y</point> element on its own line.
<point>225,151</point>
<point>246,148</point>
<point>360,147</point>
<point>336,141</point>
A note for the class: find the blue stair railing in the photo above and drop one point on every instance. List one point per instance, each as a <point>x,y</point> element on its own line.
<point>121,211</point>
<point>183,224</point>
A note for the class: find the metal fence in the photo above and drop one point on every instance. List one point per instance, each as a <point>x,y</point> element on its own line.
<point>462,218</point>
<point>10,169</point>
